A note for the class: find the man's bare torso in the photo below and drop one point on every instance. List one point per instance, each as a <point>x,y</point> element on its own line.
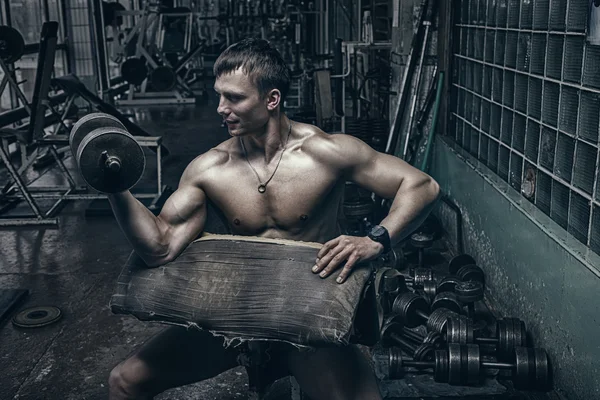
<point>301,201</point>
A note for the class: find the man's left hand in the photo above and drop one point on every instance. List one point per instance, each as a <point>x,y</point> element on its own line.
<point>351,249</point>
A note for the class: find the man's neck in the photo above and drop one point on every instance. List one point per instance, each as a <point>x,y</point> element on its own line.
<point>270,141</point>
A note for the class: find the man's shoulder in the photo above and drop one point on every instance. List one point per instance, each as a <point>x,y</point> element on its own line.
<point>215,157</point>
<point>327,145</point>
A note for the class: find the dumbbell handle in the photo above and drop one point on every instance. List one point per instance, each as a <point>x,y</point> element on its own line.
<point>111,163</point>
<point>431,364</point>
<point>400,341</point>
<point>486,340</point>
<point>422,315</point>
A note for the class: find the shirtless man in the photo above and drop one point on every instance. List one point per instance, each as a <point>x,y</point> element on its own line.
<point>273,178</point>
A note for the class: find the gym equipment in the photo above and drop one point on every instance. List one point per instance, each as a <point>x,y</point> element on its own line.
<point>420,241</point>
<point>12,44</point>
<point>109,158</point>
<point>420,276</point>
<point>471,272</point>
<point>432,338</point>
<point>447,284</point>
<point>460,261</point>
<point>163,78</point>
<point>36,317</point>
<point>468,293</point>
<point>510,333</point>
<point>391,334</point>
<point>388,284</point>
<point>109,12</point>
<point>461,365</point>
<point>415,311</point>
<point>134,70</point>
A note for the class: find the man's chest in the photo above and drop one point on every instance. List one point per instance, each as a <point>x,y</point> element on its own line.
<point>297,194</point>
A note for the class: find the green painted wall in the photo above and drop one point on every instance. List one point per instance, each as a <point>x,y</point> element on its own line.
<point>534,270</point>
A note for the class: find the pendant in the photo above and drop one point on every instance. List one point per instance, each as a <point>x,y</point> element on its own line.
<point>262,189</point>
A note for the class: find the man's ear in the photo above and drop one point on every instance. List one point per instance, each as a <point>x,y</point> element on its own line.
<point>273,99</point>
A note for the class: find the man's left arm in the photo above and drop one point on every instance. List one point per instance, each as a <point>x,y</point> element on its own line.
<point>414,194</point>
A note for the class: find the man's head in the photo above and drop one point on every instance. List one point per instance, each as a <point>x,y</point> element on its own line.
<point>252,80</point>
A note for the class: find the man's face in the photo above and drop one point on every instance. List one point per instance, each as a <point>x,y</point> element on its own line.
<point>240,104</point>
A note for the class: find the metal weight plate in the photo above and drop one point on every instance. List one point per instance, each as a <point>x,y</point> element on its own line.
<point>424,352</point>
<point>472,374</point>
<point>501,333</point>
<point>421,240</point>
<point>395,364</point>
<point>542,370</point>
<point>520,333</point>
<point>460,261</point>
<point>455,366</point>
<point>438,320</point>
<point>447,300</point>
<point>118,143</point>
<point>430,288</point>
<point>134,70</point>
<point>441,371</point>
<point>163,79</point>
<point>471,272</point>
<point>37,317</point>
<point>524,367</point>
<point>434,339</point>
<point>12,44</point>
<point>469,292</point>
<point>422,275</point>
<point>89,123</point>
<point>447,284</point>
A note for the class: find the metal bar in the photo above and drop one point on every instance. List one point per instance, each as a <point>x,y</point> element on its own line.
<point>53,196</point>
<point>564,83</point>
<point>20,183</point>
<point>541,168</point>
<point>159,169</point>
<point>497,28</point>
<point>24,222</point>
<point>524,114</point>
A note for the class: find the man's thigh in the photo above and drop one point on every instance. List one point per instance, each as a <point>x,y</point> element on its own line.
<point>334,373</point>
<point>178,356</point>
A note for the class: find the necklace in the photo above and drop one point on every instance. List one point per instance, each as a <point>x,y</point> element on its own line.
<point>262,187</point>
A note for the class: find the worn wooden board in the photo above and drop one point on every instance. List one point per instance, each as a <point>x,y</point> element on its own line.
<point>245,288</point>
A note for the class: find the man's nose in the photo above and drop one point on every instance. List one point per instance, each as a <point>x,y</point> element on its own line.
<point>222,107</point>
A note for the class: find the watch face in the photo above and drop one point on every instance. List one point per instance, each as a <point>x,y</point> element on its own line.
<point>377,231</point>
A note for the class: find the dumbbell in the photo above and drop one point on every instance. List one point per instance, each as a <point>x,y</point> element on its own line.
<point>462,365</point>
<point>109,157</point>
<point>468,293</point>
<point>448,283</point>
<point>420,241</point>
<point>460,261</point>
<point>392,334</point>
<point>419,277</point>
<point>465,268</point>
<point>389,283</point>
<point>415,311</point>
<point>432,338</point>
<point>510,334</point>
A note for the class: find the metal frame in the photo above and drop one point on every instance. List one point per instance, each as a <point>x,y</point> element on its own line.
<point>182,94</point>
<point>461,54</point>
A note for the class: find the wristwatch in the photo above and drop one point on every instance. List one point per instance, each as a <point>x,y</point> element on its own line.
<point>379,234</point>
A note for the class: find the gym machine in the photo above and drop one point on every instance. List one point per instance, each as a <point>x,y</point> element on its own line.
<point>43,112</point>
<point>160,55</point>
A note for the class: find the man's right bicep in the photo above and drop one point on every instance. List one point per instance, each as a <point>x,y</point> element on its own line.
<point>183,217</point>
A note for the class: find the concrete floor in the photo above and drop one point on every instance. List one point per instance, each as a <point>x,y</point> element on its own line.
<point>75,268</point>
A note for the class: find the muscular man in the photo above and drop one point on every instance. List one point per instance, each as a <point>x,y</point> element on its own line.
<point>274,178</point>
